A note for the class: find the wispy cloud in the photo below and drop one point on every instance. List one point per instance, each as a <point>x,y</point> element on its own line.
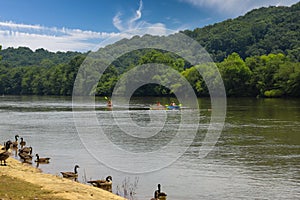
<point>130,23</point>
<point>118,22</point>
<point>237,7</point>
<point>136,26</point>
<point>138,15</point>
<point>51,38</point>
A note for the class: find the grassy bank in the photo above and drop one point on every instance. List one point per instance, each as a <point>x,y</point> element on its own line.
<point>15,188</point>
<point>21,181</point>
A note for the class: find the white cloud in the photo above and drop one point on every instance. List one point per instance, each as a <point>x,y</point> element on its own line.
<point>117,22</point>
<point>237,7</point>
<point>137,16</point>
<point>136,26</point>
<point>51,38</point>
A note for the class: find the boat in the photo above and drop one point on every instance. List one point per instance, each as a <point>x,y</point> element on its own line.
<point>157,107</point>
<point>176,107</point>
<point>167,107</point>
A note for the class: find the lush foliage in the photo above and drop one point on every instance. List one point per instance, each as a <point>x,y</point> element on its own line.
<point>270,75</point>
<point>257,55</point>
<point>24,57</point>
<point>33,76</point>
<point>261,31</point>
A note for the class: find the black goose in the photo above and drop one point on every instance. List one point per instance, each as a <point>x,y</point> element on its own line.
<point>15,143</point>
<point>5,154</point>
<point>22,142</point>
<point>41,160</point>
<point>97,183</point>
<point>71,174</point>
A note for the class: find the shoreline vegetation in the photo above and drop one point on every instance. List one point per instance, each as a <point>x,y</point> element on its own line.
<point>272,75</point>
<point>22,181</point>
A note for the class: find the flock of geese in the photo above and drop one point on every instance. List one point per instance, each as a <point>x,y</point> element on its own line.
<point>25,154</point>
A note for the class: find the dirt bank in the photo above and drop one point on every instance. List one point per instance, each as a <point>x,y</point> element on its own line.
<point>55,185</point>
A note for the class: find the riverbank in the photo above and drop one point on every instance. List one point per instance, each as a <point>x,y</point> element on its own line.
<point>44,186</point>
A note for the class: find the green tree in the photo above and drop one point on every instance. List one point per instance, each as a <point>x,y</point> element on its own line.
<point>70,71</point>
<point>107,81</point>
<point>195,79</point>
<point>236,75</point>
<point>264,69</point>
<point>14,85</point>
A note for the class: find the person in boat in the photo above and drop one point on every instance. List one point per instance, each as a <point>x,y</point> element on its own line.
<point>109,103</point>
<point>173,104</point>
<point>157,106</point>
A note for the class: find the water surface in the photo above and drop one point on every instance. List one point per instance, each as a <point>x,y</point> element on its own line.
<point>256,157</point>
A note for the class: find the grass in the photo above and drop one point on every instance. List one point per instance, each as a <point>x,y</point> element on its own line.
<point>13,188</point>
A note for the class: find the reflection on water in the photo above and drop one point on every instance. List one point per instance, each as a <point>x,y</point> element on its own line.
<point>256,157</point>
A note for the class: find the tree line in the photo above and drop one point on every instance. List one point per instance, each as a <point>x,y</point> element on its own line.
<point>272,75</point>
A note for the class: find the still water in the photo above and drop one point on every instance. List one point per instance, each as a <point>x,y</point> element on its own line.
<point>256,157</point>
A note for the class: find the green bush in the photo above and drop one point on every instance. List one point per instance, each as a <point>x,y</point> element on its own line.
<point>273,93</point>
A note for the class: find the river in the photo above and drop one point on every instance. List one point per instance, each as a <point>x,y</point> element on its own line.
<point>257,155</point>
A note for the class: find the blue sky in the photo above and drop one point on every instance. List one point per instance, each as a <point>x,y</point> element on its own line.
<point>79,25</point>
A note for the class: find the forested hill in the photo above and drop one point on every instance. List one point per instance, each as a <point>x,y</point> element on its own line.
<point>23,56</point>
<point>260,31</point>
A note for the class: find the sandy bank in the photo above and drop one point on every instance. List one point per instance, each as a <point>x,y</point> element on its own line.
<point>58,186</point>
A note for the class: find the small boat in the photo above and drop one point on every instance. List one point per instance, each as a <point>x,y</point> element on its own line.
<point>157,107</point>
<point>173,107</point>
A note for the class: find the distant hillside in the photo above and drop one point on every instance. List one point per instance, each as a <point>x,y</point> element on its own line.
<point>260,31</point>
<point>24,57</point>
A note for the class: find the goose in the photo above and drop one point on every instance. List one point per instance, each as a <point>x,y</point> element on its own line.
<point>71,174</point>
<point>25,156</point>
<point>97,183</point>
<point>22,142</point>
<point>27,150</point>
<point>41,160</point>
<point>158,193</point>
<point>15,143</point>
<point>5,154</point>
<point>162,195</point>
<point>3,148</point>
